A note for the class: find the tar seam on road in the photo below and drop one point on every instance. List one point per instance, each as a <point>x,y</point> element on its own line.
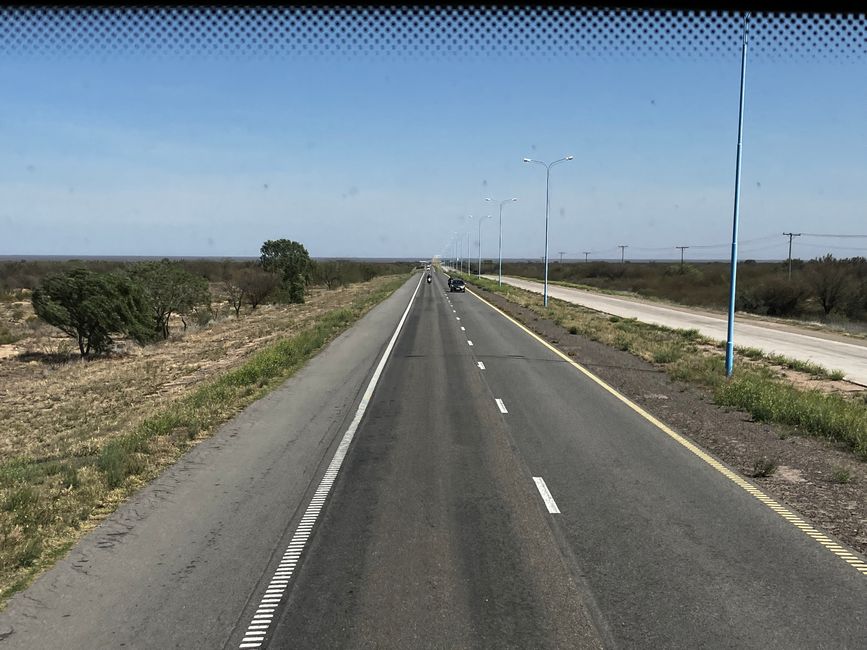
<point>830,544</point>
<point>500,405</point>
<point>258,627</point>
<point>546,495</point>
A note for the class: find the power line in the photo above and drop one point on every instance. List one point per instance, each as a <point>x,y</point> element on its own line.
<point>810,234</point>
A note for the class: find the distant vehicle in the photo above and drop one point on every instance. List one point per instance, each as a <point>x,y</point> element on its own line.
<point>457,285</point>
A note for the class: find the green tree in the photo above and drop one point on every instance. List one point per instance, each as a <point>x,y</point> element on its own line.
<point>291,262</point>
<point>830,280</point>
<point>170,289</point>
<point>91,307</point>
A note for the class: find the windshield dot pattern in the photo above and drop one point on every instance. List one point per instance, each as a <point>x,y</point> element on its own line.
<point>428,32</point>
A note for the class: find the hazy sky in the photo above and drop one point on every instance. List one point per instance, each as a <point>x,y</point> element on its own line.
<point>385,156</point>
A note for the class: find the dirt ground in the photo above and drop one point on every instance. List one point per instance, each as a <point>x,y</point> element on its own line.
<point>805,476</point>
<point>53,403</point>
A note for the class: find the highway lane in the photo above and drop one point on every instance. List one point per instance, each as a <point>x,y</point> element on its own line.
<point>827,350</point>
<point>674,553</point>
<point>428,540</point>
<point>432,537</point>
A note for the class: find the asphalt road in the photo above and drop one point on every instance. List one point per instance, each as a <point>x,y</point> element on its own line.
<point>827,350</point>
<point>438,531</point>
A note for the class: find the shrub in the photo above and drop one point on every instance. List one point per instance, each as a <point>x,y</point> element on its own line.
<point>91,307</point>
<point>170,289</point>
<point>830,280</point>
<point>780,297</point>
<point>763,467</point>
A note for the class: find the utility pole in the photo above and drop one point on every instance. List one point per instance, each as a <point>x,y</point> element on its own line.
<point>562,253</point>
<point>790,235</point>
<point>623,252</point>
<point>586,253</point>
<point>682,248</point>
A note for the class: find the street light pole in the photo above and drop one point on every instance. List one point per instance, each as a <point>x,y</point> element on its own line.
<point>586,253</point>
<point>468,247</point>
<point>481,221</point>
<point>730,332</point>
<point>547,205</point>
<point>500,249</point>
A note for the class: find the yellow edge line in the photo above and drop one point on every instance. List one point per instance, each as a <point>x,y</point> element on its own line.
<point>749,488</point>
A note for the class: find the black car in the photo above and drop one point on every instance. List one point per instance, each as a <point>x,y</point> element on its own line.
<point>456,284</point>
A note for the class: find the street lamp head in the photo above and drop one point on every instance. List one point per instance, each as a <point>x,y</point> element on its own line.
<point>569,157</point>
<point>488,199</point>
<point>514,199</point>
<point>527,160</point>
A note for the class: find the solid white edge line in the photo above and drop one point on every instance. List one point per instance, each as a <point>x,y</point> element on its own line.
<point>546,495</point>
<point>302,532</point>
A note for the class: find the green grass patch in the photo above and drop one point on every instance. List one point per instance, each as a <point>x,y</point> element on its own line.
<point>823,414</point>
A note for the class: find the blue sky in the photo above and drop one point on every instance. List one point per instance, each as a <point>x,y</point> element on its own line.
<point>381,156</point>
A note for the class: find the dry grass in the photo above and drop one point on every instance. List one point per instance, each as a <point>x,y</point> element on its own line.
<point>52,407</point>
<point>77,437</point>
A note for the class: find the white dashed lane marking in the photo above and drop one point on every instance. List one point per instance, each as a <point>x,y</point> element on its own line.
<point>500,405</point>
<point>546,495</point>
<point>481,365</point>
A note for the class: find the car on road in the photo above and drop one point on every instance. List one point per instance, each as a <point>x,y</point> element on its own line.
<point>456,284</point>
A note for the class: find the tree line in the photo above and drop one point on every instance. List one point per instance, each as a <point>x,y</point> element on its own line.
<point>138,300</point>
<point>825,287</point>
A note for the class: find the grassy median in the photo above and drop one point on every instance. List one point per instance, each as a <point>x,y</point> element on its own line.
<point>757,387</point>
<point>66,484</point>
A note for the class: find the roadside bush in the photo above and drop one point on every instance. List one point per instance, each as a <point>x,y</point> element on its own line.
<point>170,289</point>
<point>775,297</point>
<point>763,467</point>
<point>91,307</point>
<point>257,285</point>
<point>831,281</point>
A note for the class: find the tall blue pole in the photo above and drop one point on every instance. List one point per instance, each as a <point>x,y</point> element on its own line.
<point>734,263</point>
<point>547,203</point>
